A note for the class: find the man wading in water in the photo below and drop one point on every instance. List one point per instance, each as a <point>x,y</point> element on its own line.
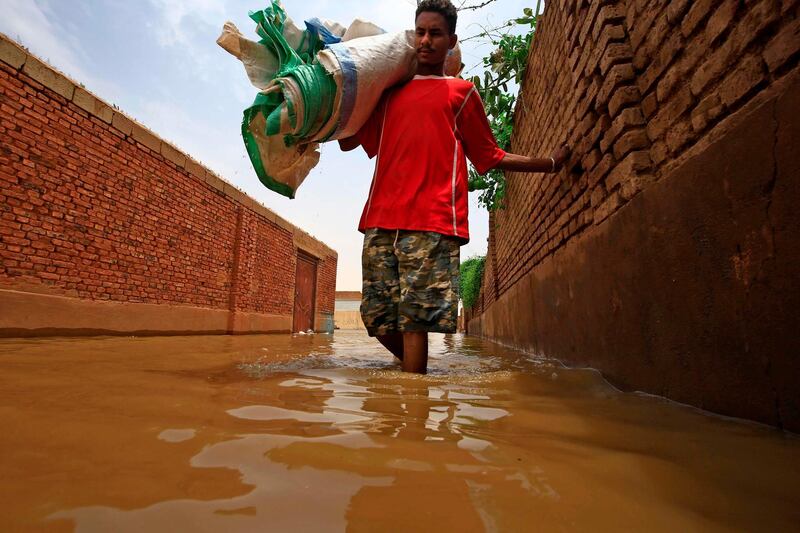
<point>415,218</point>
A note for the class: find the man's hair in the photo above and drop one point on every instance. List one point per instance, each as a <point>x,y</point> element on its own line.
<point>444,8</point>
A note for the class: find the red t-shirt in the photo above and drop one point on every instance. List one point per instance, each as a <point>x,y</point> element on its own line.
<point>421,132</point>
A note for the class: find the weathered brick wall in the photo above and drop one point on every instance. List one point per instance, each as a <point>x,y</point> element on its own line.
<point>631,85</point>
<point>681,115</point>
<point>93,206</point>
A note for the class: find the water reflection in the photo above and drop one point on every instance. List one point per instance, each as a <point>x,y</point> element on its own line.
<point>325,433</point>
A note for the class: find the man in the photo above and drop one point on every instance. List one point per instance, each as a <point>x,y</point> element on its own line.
<point>415,218</point>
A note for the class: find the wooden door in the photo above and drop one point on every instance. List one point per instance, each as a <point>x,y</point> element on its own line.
<point>305,289</point>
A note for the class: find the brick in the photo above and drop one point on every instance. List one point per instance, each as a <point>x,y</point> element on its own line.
<point>659,152</point>
<point>598,195</point>
<point>676,9</point>
<point>783,46</point>
<point>585,125</point>
<point>666,54</point>
<point>615,53</point>
<point>641,27</point>
<point>628,142</point>
<point>670,113</point>
<point>87,101</point>
<point>573,58</point>
<point>592,62</point>
<point>742,80</point>
<point>633,164</point>
<point>622,98</point>
<point>122,123</point>
<point>11,54</point>
<point>608,15</point>
<point>601,126</point>
<point>580,67</point>
<point>589,100</point>
<point>15,240</point>
<point>678,136</point>
<point>607,208</point>
<point>649,105</point>
<point>673,78</point>
<point>171,153</point>
<point>628,119</point>
<point>714,66</point>
<point>611,34</point>
<point>754,23</point>
<point>617,75</point>
<point>146,137</point>
<point>587,24</point>
<point>48,77</point>
<point>708,110</point>
<point>601,170</point>
<point>698,12</point>
<point>590,160</point>
<point>721,20</point>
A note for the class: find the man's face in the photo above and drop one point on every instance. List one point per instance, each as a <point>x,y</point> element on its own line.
<point>433,39</point>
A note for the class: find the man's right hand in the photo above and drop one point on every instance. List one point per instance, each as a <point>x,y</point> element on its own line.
<point>560,156</point>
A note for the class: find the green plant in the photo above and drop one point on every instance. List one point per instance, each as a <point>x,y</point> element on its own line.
<point>471,276</point>
<point>503,67</point>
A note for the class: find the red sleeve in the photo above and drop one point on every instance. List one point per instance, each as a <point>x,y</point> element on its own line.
<point>370,133</point>
<point>476,135</point>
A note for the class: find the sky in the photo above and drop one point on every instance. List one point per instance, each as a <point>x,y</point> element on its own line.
<point>158,61</point>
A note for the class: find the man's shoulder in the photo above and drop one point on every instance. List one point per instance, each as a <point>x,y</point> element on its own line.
<point>460,84</point>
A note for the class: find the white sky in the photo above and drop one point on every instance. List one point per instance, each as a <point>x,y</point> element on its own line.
<point>159,62</point>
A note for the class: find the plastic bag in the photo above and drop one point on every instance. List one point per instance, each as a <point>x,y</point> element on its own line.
<point>317,84</point>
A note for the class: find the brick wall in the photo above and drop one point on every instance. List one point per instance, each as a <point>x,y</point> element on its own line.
<point>643,90</point>
<point>631,85</point>
<point>95,207</point>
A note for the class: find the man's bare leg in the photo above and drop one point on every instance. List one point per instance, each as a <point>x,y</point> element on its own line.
<point>393,342</point>
<point>415,352</point>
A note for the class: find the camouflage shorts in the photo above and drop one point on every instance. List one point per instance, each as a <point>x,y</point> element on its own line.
<point>410,282</point>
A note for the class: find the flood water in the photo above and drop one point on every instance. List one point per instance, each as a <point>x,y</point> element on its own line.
<point>324,433</point>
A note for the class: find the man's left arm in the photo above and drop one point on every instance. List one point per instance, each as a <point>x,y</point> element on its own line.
<point>481,147</point>
<point>521,163</point>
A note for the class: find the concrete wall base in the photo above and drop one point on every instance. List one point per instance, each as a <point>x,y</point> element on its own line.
<point>28,314</point>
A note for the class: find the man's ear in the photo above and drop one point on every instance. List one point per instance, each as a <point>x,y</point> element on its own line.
<point>453,41</point>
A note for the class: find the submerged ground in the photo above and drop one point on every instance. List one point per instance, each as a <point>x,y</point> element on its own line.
<point>323,433</point>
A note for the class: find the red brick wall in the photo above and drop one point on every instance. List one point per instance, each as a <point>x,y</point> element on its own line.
<point>631,85</point>
<point>94,206</point>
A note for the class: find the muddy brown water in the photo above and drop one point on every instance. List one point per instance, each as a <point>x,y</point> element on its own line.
<point>324,433</point>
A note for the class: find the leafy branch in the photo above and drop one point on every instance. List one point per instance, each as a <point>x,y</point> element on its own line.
<point>503,67</point>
